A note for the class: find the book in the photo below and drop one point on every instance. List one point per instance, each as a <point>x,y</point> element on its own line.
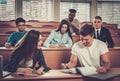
<point>70,71</point>
<point>90,72</point>
<point>85,71</point>
<point>81,70</point>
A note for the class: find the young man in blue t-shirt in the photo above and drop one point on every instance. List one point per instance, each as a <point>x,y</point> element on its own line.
<point>16,36</point>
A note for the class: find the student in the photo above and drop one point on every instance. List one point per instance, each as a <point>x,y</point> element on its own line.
<point>102,33</point>
<point>60,37</point>
<point>16,36</point>
<point>28,56</point>
<point>73,22</point>
<point>89,51</point>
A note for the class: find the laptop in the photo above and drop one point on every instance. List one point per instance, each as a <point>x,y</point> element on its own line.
<point>3,73</point>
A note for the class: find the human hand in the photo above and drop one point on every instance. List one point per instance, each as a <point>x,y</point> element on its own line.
<point>101,70</point>
<point>51,46</point>
<point>64,66</point>
<point>39,71</point>
<point>25,70</point>
<point>8,45</point>
<point>62,45</point>
<point>54,45</point>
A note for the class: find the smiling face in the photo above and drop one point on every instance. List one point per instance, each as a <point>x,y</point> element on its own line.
<point>63,28</point>
<point>87,40</point>
<point>97,23</point>
<point>39,42</point>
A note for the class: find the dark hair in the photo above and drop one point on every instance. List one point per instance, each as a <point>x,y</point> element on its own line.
<point>72,10</point>
<point>28,45</point>
<point>18,20</point>
<point>98,17</point>
<point>87,30</point>
<point>68,28</point>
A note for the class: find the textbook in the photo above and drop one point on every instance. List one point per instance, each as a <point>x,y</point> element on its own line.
<point>90,72</point>
<point>85,71</point>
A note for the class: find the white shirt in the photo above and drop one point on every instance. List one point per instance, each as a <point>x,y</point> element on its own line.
<point>98,32</point>
<point>90,56</point>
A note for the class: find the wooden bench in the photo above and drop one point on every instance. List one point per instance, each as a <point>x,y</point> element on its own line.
<point>116,38</point>
<point>9,26</point>
<point>4,37</point>
<point>55,56</point>
<point>110,26</point>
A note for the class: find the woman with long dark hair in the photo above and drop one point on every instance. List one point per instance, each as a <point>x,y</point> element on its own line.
<point>27,56</point>
<point>60,37</point>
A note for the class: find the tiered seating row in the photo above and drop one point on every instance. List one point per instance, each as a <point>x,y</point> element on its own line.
<point>7,27</point>
<point>55,56</point>
<point>116,39</point>
<point>4,37</point>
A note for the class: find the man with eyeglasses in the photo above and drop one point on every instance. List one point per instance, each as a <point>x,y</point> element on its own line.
<point>102,33</point>
<point>16,36</point>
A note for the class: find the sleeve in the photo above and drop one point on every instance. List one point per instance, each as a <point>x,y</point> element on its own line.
<point>103,48</point>
<point>49,39</point>
<point>69,43</point>
<point>110,40</point>
<point>73,50</point>
<point>41,60</point>
<point>13,63</point>
<point>10,39</point>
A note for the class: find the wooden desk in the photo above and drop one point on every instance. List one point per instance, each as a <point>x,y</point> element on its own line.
<point>4,37</point>
<point>52,75</point>
<point>55,75</point>
<point>115,57</point>
<point>55,56</point>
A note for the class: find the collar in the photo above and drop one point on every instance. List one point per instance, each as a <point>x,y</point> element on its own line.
<point>98,29</point>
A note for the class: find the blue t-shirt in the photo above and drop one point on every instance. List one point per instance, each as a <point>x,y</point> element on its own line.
<point>15,37</point>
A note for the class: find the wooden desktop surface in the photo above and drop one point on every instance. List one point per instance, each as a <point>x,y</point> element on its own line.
<point>52,75</point>
<point>4,37</point>
<point>55,75</point>
<point>116,38</point>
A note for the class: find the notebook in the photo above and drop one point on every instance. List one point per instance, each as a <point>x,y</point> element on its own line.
<point>3,73</point>
<point>70,71</point>
<point>85,71</point>
<point>90,72</point>
<point>103,77</point>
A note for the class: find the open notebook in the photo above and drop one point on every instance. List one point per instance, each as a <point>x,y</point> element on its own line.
<point>85,71</point>
<point>2,73</point>
<point>89,72</point>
